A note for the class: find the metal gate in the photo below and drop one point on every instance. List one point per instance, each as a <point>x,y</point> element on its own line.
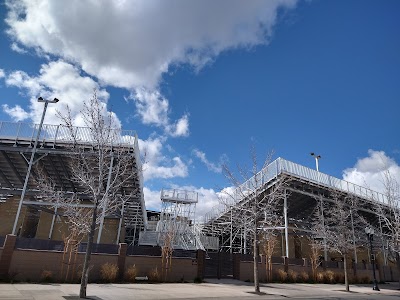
<point>218,265</point>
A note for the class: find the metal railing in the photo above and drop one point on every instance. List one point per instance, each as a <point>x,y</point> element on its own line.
<point>312,175</point>
<point>181,196</point>
<point>63,134</point>
<point>280,166</point>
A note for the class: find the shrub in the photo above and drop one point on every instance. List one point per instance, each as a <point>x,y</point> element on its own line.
<point>329,277</point>
<point>154,275</point>
<point>353,279</point>
<point>365,279</point>
<point>131,273</point>
<point>304,277</point>
<point>198,280</point>
<point>109,272</point>
<point>292,276</point>
<point>11,276</point>
<point>282,275</point>
<point>46,276</point>
<point>339,277</point>
<point>320,277</point>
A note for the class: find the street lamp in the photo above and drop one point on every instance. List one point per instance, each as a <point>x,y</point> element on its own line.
<point>370,234</point>
<point>317,157</point>
<point>28,172</point>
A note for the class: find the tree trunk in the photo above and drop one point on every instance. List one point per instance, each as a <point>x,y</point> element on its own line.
<point>85,269</point>
<point>255,261</point>
<point>346,279</point>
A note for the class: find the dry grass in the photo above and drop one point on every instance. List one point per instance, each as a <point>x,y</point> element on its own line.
<point>339,277</point>
<point>109,272</point>
<point>329,277</point>
<point>320,277</point>
<point>365,279</point>
<point>154,275</point>
<point>292,276</point>
<point>282,275</point>
<point>304,276</point>
<point>46,276</point>
<point>131,273</point>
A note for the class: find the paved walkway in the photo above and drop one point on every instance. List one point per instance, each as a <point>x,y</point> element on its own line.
<point>212,290</point>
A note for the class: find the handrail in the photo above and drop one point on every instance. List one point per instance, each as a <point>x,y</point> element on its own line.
<point>280,166</point>
<point>61,133</point>
<point>177,195</point>
<point>288,167</point>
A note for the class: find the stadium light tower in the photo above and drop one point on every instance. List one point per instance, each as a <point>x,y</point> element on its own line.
<point>317,157</point>
<point>28,172</point>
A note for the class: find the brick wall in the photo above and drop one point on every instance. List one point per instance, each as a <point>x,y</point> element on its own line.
<point>29,265</point>
<point>385,273</point>
<point>182,268</point>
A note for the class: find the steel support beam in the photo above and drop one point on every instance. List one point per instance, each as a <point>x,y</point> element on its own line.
<point>286,226</point>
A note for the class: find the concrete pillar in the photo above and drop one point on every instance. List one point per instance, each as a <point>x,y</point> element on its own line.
<point>201,258</point>
<point>236,265</point>
<point>123,247</point>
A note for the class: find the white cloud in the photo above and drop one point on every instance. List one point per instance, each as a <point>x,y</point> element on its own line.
<point>2,74</point>
<point>181,128</point>
<point>153,109</point>
<point>131,44</point>
<point>152,199</point>
<point>217,168</point>
<point>16,112</point>
<point>369,171</point>
<point>156,164</point>
<point>15,47</point>
<point>55,80</point>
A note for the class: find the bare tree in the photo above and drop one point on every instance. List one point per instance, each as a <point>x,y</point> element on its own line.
<point>254,203</point>
<point>269,241</point>
<point>315,251</point>
<point>337,224</point>
<point>167,250</point>
<point>101,166</point>
<point>388,211</point>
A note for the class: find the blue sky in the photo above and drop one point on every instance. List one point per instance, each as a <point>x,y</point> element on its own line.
<point>203,81</point>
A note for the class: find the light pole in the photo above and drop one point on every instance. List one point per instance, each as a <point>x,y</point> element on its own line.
<point>370,234</point>
<point>317,157</point>
<point>28,172</point>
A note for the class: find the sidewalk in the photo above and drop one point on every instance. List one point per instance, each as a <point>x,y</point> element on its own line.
<point>213,289</point>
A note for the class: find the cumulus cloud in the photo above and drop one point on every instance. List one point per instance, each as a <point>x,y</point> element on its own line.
<point>152,199</point>
<point>369,171</point>
<point>157,165</point>
<point>131,44</point>
<point>153,109</point>
<point>2,74</point>
<point>15,47</point>
<point>60,80</point>
<point>16,112</point>
<point>217,168</point>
